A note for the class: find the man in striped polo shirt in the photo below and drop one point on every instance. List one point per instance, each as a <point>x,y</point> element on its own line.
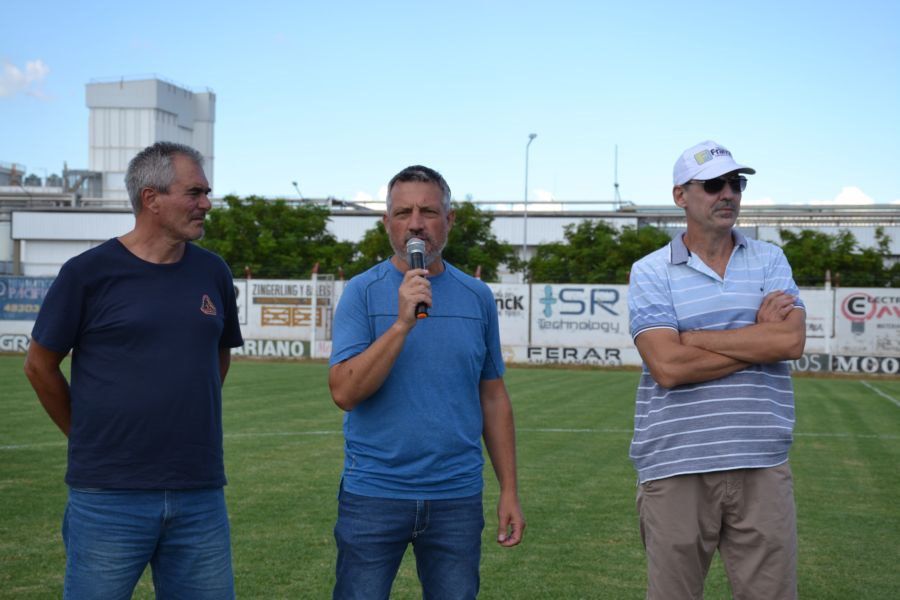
<point>714,316</point>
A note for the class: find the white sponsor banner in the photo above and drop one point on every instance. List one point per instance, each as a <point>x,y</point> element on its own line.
<point>281,309</point>
<point>819,321</point>
<point>339,286</point>
<point>867,322</point>
<point>572,355</point>
<point>512,300</point>
<point>240,294</point>
<point>14,342</point>
<point>580,315</point>
<point>15,335</point>
<point>273,348</point>
<point>569,323</point>
<point>322,349</point>
<point>841,363</point>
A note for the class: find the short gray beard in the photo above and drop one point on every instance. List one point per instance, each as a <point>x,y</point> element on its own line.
<point>430,257</point>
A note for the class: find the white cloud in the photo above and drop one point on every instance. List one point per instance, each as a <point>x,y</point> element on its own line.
<point>547,202</point>
<point>758,202</point>
<point>369,201</point>
<point>14,80</point>
<point>543,195</point>
<point>849,195</point>
<point>382,193</point>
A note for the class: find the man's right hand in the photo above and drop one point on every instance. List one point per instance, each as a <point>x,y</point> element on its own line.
<point>414,290</point>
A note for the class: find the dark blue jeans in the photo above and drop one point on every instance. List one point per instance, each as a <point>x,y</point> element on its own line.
<point>372,535</point>
<point>112,535</point>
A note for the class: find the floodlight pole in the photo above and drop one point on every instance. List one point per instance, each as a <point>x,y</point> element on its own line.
<point>531,137</point>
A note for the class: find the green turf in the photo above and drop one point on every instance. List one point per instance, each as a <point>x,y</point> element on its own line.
<point>284,452</point>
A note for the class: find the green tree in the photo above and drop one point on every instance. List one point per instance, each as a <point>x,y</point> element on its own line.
<point>276,240</point>
<point>371,250</point>
<point>892,276</point>
<point>594,252</point>
<point>811,253</point>
<point>471,244</point>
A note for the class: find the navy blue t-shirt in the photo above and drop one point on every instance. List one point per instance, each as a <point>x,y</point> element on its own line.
<point>145,383</point>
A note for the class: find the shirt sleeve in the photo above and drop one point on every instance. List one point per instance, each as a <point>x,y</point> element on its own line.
<point>58,323</point>
<point>493,367</point>
<point>780,277</point>
<point>650,304</point>
<point>351,333</point>
<point>231,334</point>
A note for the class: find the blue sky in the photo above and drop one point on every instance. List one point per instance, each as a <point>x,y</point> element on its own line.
<point>339,96</point>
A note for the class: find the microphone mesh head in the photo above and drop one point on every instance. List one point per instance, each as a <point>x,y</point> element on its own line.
<point>414,245</point>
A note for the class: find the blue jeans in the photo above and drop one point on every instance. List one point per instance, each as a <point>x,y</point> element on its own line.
<point>111,535</point>
<point>372,535</point>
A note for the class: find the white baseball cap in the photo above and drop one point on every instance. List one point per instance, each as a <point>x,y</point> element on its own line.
<point>706,160</point>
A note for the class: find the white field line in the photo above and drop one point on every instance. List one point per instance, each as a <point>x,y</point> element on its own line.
<point>629,432</point>
<point>263,434</point>
<point>259,434</point>
<point>34,446</point>
<point>880,393</point>
<point>282,433</point>
<point>564,430</point>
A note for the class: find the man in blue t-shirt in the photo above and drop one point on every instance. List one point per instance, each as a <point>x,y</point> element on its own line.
<point>419,395</point>
<point>150,319</point>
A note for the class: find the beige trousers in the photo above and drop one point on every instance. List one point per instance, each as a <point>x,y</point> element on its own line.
<point>748,514</point>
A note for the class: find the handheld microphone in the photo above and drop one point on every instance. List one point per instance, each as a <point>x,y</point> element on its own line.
<point>415,249</point>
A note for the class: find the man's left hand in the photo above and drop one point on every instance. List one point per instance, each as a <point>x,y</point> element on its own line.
<point>511,521</point>
<point>775,307</point>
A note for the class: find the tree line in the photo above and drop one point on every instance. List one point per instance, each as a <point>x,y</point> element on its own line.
<point>280,240</point>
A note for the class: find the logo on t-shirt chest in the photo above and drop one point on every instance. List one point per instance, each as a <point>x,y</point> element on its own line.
<point>207,307</point>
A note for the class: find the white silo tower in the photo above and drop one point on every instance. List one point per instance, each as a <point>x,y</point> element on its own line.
<point>126,116</point>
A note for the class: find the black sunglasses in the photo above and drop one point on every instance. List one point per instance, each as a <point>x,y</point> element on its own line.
<point>714,186</point>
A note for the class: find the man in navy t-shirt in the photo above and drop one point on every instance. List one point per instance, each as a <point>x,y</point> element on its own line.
<point>419,396</point>
<point>150,319</point>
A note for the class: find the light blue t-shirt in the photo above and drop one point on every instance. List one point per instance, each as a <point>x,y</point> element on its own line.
<point>419,435</point>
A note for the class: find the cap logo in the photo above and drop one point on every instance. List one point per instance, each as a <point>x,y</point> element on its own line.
<point>705,156</point>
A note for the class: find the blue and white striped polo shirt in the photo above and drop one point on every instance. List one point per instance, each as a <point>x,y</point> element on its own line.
<point>742,420</point>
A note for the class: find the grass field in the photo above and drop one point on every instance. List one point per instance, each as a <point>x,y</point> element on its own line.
<point>283,451</point>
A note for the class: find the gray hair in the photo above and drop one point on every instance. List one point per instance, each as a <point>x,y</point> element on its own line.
<point>152,168</point>
<point>423,175</point>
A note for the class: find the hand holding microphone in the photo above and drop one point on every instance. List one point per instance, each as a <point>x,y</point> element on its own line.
<point>415,249</point>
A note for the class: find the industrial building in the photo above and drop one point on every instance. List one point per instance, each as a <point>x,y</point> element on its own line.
<point>43,223</point>
<point>46,230</point>
<point>72,210</point>
<point>127,116</point>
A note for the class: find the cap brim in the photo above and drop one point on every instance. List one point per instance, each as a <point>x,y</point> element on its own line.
<point>714,170</point>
